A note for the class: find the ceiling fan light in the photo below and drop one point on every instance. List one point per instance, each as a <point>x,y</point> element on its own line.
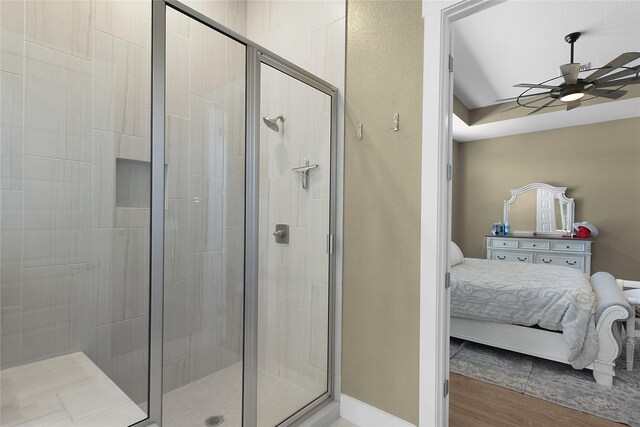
<point>574,96</point>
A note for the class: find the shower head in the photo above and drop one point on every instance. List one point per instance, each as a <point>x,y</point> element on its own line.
<point>273,123</point>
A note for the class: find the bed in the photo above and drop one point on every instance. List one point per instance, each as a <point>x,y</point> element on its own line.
<point>553,312</point>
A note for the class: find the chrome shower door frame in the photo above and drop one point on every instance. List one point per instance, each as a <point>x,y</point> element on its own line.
<point>255,56</point>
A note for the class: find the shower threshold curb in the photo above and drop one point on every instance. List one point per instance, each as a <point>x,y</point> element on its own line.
<point>324,417</point>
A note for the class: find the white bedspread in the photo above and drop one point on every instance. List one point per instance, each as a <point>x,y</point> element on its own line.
<point>552,297</point>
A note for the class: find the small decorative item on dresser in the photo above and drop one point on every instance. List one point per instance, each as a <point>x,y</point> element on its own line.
<point>497,229</point>
<point>584,230</point>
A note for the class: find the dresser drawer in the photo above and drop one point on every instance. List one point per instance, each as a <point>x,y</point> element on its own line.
<point>568,246</point>
<point>514,257</point>
<point>565,261</point>
<point>533,244</point>
<point>503,243</point>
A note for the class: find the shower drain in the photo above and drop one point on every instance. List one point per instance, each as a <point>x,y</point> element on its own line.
<point>215,420</point>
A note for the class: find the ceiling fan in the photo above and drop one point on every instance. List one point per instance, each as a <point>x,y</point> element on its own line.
<point>600,83</point>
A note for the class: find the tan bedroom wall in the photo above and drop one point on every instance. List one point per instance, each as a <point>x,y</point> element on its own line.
<point>380,341</point>
<point>598,163</point>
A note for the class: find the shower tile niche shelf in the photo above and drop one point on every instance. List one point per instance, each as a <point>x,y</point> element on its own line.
<point>133,184</point>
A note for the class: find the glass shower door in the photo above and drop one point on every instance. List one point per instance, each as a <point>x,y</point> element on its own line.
<point>204,225</point>
<point>293,280</point>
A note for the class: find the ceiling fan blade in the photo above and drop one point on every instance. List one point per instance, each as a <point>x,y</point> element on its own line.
<point>621,60</point>
<point>570,73</point>
<point>541,107</point>
<point>627,72</point>
<point>513,98</point>
<point>573,104</point>
<point>526,103</point>
<point>620,82</point>
<point>611,94</point>
<point>530,85</point>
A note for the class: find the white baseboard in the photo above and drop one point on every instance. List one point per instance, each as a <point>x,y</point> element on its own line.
<point>364,415</point>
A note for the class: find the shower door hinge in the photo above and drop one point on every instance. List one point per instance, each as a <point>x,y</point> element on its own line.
<point>329,244</point>
<point>450,64</point>
<point>447,280</point>
<point>446,388</point>
<point>449,172</point>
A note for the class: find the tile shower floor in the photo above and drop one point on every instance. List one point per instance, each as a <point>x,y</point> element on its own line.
<point>221,394</point>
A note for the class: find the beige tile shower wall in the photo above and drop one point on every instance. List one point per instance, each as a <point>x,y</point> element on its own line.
<point>293,278</point>
<point>382,206</point>
<point>75,96</point>
<point>11,179</point>
<point>45,181</point>
<point>118,337</point>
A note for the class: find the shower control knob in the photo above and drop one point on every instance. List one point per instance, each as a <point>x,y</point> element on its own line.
<point>282,233</point>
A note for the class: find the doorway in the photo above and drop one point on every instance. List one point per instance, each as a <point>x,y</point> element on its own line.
<point>438,96</point>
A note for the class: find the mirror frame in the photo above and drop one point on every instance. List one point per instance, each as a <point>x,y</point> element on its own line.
<point>559,191</point>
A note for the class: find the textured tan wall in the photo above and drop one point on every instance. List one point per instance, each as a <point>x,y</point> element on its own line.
<point>461,110</point>
<point>382,206</point>
<point>599,163</point>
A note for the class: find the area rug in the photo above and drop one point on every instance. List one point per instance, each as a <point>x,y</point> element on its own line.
<point>553,381</point>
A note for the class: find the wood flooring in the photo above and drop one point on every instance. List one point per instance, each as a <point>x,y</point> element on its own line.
<point>474,403</point>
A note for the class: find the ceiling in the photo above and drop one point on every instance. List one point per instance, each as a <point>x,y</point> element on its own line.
<point>523,42</point>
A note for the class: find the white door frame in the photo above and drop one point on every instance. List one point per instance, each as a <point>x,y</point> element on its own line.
<point>435,228</point>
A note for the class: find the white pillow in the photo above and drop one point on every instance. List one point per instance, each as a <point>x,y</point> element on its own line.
<point>455,255</point>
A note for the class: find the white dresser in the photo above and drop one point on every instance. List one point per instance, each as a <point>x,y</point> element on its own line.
<point>574,253</point>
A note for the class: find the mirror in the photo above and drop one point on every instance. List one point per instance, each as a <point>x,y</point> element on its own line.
<point>541,205</point>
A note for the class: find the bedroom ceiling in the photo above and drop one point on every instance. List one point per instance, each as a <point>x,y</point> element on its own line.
<point>523,42</point>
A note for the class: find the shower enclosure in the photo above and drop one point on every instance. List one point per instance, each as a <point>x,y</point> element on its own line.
<point>167,217</point>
